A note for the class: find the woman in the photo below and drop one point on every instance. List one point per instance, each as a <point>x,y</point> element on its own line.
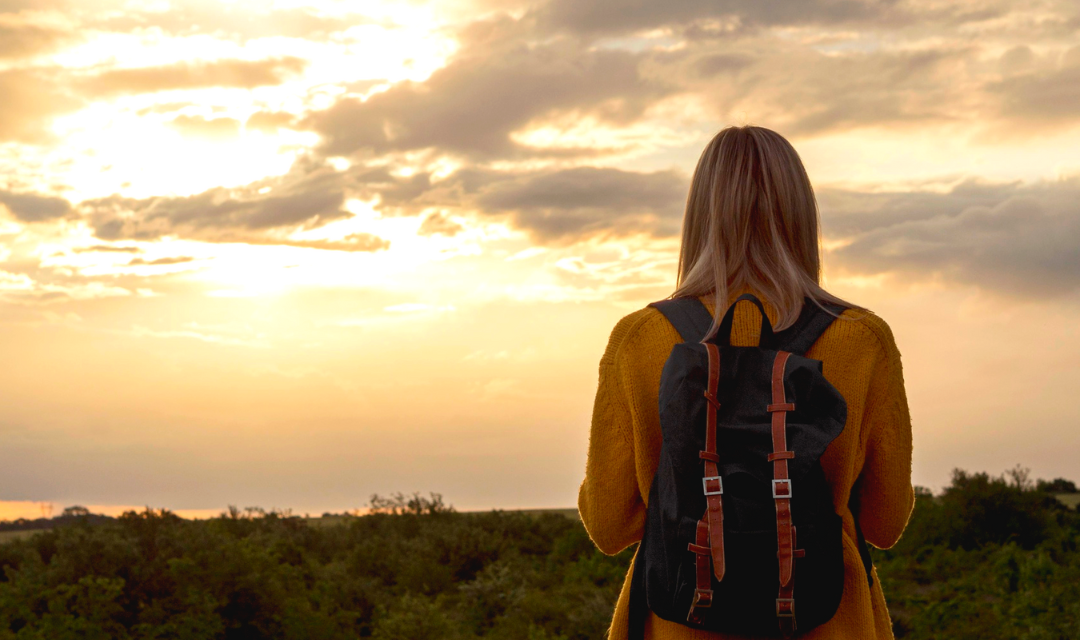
<point>751,225</point>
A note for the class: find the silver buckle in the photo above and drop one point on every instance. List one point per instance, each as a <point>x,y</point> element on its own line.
<point>790,613</point>
<point>781,480</point>
<point>719,484</point>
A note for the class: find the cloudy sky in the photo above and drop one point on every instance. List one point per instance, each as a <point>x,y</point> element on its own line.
<point>293,253</point>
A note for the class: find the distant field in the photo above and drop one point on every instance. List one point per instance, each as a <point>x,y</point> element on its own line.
<point>569,513</point>
<point>7,536</point>
<point>329,521</point>
<point>1069,499</point>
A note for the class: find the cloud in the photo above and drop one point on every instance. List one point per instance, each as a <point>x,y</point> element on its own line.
<point>362,242</point>
<point>498,83</point>
<point>618,16</point>
<point>32,207</point>
<point>27,40</point>
<point>107,248</point>
<point>1040,97</point>
<point>553,205</point>
<point>586,200</point>
<point>20,288</point>
<point>244,74</point>
<point>161,261</point>
<point>30,100</point>
<point>808,89</point>
<point>224,20</point>
<point>439,224</point>
<point>200,127</point>
<point>269,121</point>
<point>214,214</point>
<point>1013,238</point>
<point>700,17</point>
<point>303,201</point>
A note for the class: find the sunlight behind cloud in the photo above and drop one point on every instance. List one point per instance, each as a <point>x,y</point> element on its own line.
<point>320,231</point>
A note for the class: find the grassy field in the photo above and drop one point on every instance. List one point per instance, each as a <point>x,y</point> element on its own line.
<point>1070,500</point>
<point>7,536</point>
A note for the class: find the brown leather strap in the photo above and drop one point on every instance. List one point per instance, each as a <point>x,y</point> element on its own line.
<point>710,529</point>
<point>702,593</point>
<point>782,491</point>
<point>712,483</point>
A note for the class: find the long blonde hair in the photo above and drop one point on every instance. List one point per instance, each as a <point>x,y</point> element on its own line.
<point>752,221</point>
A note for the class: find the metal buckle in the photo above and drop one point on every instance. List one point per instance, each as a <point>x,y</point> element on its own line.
<point>719,484</point>
<point>702,599</point>
<point>790,613</point>
<point>776,481</point>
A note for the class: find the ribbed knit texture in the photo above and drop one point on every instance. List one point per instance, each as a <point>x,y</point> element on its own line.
<point>871,459</point>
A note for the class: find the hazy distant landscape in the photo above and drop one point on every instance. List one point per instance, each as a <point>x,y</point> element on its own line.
<point>989,557</point>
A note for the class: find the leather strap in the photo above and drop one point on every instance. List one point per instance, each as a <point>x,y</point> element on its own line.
<point>689,316</point>
<point>703,593</point>
<point>715,507</point>
<point>782,491</point>
<point>710,529</point>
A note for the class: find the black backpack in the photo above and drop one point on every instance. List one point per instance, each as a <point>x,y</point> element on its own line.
<point>740,532</point>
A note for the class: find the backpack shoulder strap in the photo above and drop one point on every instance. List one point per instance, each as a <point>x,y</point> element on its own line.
<point>812,322</point>
<point>688,315</point>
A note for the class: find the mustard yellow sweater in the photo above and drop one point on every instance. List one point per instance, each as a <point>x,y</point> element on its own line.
<point>870,460</point>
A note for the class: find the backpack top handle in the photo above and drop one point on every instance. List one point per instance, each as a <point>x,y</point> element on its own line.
<point>723,332</point>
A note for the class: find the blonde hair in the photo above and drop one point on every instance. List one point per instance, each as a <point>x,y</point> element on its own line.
<point>752,221</point>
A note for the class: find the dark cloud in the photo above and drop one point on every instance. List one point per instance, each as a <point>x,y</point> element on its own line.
<point>710,18</point>
<point>554,205</point>
<point>1015,238</point>
<point>245,74</point>
<point>499,83</point>
<point>803,91</point>
<point>302,202</point>
<point>307,198</point>
<point>719,63</point>
<point>617,16</point>
<point>33,207</point>
<point>585,201</point>
<point>506,78</point>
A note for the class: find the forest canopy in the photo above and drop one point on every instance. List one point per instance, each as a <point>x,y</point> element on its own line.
<point>988,557</point>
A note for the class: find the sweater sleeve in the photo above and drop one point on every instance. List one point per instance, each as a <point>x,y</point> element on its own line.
<point>884,494</point>
<point>609,501</point>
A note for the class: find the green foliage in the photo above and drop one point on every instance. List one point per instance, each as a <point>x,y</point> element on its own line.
<point>990,557</point>
<point>1057,485</point>
<point>415,569</point>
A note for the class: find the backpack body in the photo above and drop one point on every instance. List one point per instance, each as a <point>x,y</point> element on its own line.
<point>741,535</point>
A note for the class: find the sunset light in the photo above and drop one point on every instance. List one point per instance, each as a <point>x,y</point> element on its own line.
<point>294,253</point>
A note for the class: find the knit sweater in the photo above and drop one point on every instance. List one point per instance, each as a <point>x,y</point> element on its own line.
<point>870,462</point>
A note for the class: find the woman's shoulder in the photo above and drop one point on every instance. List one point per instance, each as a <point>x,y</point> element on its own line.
<point>860,329</point>
<point>857,330</point>
<point>646,326</point>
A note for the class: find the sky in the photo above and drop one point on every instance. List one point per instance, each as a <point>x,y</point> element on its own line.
<point>289,254</point>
